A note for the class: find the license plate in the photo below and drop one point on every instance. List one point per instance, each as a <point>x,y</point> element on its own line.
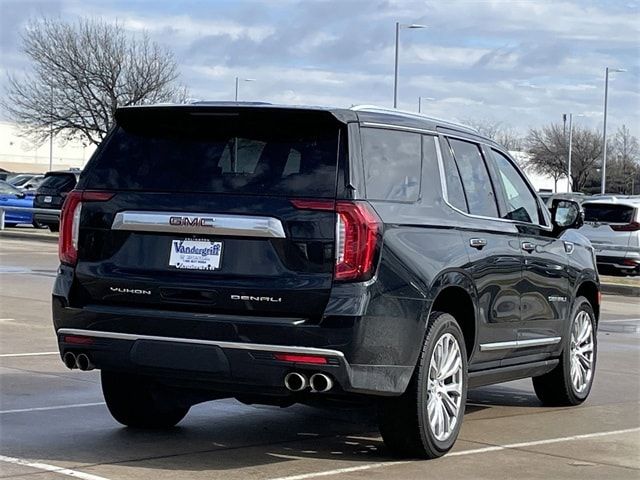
<point>47,199</point>
<point>195,254</point>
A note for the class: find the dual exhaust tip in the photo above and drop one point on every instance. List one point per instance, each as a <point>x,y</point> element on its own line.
<point>80,361</point>
<point>318,382</point>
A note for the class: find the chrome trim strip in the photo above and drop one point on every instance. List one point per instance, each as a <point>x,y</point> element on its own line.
<point>398,127</point>
<point>211,224</point>
<point>534,342</point>
<point>233,345</point>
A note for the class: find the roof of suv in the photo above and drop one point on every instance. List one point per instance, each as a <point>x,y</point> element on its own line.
<point>363,113</point>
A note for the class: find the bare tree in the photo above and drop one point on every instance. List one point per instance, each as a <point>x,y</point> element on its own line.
<point>84,71</point>
<point>548,148</point>
<point>498,132</point>
<point>624,167</point>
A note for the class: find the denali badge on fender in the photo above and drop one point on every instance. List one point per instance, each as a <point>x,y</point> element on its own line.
<point>256,299</point>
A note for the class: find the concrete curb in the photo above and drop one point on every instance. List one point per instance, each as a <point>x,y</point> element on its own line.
<point>29,235</point>
<point>618,289</point>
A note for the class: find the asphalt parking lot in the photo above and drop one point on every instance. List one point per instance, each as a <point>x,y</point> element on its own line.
<point>54,424</point>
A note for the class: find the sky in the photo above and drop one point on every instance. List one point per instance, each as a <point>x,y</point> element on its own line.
<point>522,63</point>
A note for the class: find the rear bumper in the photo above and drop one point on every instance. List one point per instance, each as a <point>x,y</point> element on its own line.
<point>229,368</point>
<point>47,218</point>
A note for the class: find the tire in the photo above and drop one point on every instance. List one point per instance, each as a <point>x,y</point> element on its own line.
<point>559,387</point>
<point>133,401</point>
<point>407,422</point>
<point>54,228</point>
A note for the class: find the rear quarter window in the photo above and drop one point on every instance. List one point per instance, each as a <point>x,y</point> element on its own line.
<point>392,163</point>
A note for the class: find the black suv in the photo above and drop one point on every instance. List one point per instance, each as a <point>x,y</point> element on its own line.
<point>287,254</point>
<point>51,194</point>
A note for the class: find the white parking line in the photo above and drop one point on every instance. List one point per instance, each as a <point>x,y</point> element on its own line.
<point>474,451</point>
<point>34,354</point>
<point>50,468</point>
<point>55,407</point>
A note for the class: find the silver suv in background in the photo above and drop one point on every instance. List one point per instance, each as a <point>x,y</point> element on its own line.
<point>613,226</point>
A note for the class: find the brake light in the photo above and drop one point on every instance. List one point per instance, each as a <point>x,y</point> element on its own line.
<point>70,222</point>
<point>629,227</point>
<point>357,231</point>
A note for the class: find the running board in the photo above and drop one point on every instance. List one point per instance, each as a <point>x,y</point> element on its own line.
<point>511,372</point>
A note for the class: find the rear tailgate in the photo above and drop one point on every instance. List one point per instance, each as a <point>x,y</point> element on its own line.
<point>201,218</point>
<point>610,227</point>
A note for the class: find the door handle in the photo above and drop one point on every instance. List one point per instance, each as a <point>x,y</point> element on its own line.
<point>528,247</point>
<point>478,243</point>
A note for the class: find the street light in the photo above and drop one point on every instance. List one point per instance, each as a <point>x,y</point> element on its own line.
<point>569,182</point>
<point>238,83</point>
<point>430,99</point>
<point>604,127</point>
<point>395,77</point>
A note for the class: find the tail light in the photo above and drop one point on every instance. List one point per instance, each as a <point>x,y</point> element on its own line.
<point>70,222</point>
<point>357,231</point>
<point>629,227</point>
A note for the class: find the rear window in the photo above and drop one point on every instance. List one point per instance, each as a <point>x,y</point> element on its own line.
<point>604,213</point>
<point>63,182</point>
<point>283,153</point>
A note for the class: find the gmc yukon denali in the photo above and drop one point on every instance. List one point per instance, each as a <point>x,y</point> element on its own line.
<point>278,254</point>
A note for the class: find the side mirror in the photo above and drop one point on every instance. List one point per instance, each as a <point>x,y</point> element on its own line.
<point>566,214</point>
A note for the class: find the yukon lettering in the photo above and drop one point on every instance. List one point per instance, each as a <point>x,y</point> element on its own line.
<point>135,291</point>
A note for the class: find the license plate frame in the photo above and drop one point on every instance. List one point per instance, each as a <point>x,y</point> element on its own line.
<point>195,254</point>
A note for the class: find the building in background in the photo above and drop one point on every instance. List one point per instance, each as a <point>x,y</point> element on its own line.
<point>20,155</point>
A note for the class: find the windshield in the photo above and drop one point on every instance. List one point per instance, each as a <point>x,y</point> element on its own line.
<point>8,189</point>
<point>249,153</point>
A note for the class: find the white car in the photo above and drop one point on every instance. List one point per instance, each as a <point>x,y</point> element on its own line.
<point>613,226</point>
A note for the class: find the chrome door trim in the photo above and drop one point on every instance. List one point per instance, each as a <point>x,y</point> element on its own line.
<point>534,342</point>
<point>232,345</point>
<point>201,223</point>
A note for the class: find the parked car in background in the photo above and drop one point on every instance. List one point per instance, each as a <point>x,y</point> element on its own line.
<point>26,181</point>
<point>575,196</point>
<point>613,226</point>
<point>11,196</point>
<point>51,194</point>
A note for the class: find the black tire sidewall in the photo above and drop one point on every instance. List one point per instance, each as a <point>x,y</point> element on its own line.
<point>582,304</point>
<point>442,323</point>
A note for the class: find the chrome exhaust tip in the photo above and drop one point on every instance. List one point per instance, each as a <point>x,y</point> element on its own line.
<point>84,362</point>
<point>320,383</point>
<point>69,360</point>
<point>295,382</point>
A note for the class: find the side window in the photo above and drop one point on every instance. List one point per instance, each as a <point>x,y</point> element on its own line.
<point>521,203</point>
<point>475,178</point>
<point>455,191</point>
<point>392,162</point>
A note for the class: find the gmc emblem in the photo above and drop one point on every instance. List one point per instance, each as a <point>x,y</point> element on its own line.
<point>192,221</point>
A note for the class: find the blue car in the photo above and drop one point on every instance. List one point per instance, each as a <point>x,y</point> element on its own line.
<point>10,196</point>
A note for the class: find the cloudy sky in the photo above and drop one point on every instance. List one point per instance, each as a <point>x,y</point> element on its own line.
<point>520,62</point>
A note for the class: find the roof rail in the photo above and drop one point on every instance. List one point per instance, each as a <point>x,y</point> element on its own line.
<point>227,103</point>
<point>406,113</point>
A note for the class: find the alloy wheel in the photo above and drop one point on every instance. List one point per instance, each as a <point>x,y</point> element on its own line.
<point>582,346</point>
<point>444,387</point>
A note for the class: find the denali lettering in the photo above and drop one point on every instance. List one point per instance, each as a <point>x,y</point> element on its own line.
<point>192,221</point>
<point>256,299</point>
<point>135,291</point>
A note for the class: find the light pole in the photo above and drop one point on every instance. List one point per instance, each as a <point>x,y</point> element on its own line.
<point>395,76</point>
<point>569,182</point>
<point>604,126</point>
<point>430,99</point>
<point>238,83</point>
